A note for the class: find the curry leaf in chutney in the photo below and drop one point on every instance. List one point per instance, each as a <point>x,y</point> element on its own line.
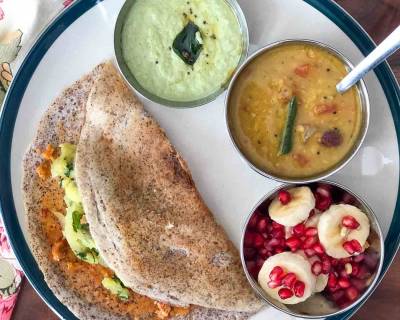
<point>287,135</point>
<point>187,45</point>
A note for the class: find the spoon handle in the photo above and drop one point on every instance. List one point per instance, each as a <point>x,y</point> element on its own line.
<point>378,55</point>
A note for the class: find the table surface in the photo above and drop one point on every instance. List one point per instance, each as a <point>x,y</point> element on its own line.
<point>378,17</point>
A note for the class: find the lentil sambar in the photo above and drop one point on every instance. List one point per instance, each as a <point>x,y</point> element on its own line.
<point>325,126</point>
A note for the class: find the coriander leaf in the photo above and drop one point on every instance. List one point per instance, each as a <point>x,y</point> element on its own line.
<point>186,44</point>
<point>76,220</point>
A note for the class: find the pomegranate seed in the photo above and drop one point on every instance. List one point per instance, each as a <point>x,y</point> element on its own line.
<point>276,225</point>
<point>371,260</point>
<point>293,243</point>
<point>259,263</point>
<point>352,246</point>
<point>262,224</point>
<point>332,281</point>
<point>258,240</point>
<point>357,246</point>
<point>309,252</point>
<point>343,273</point>
<point>276,273</point>
<point>322,203</point>
<point>278,234</point>
<point>289,280</point>
<point>352,293</point>
<point>249,253</point>
<point>360,285</point>
<point>343,303</point>
<point>309,242</point>
<point>326,265</point>
<point>347,198</point>
<point>334,262</point>
<point>284,197</point>
<point>285,293</point>
<point>334,288</point>
<point>318,248</point>
<point>359,258</point>
<point>316,268</point>
<point>355,268</point>
<point>299,288</point>
<point>343,261</point>
<point>271,243</point>
<point>299,229</point>
<point>264,253</point>
<point>310,232</point>
<point>363,273</point>
<point>324,190</point>
<point>279,250</point>
<point>350,222</point>
<point>274,284</point>
<point>248,239</point>
<point>253,220</point>
<point>344,283</point>
<point>335,296</point>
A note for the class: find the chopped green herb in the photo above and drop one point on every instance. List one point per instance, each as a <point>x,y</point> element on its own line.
<point>69,167</point>
<point>186,44</point>
<point>287,136</point>
<point>76,220</point>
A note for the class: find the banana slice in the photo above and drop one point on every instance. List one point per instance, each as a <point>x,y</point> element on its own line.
<point>332,234</point>
<point>289,262</point>
<point>322,279</point>
<point>296,211</point>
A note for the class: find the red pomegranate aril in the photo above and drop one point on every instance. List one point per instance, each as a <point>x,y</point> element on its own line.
<point>293,243</point>
<point>274,284</point>
<point>285,293</point>
<point>248,239</point>
<point>310,232</point>
<point>347,198</point>
<point>343,261</point>
<point>262,224</point>
<point>276,273</point>
<point>253,220</point>
<point>258,240</point>
<point>264,253</point>
<point>356,245</point>
<point>284,197</point>
<point>310,252</point>
<point>316,268</point>
<point>289,280</point>
<point>352,246</point>
<point>334,288</point>
<point>363,273</point>
<point>344,283</point>
<point>326,265</point>
<point>309,242</point>
<point>359,258</point>
<point>371,260</point>
<point>318,248</point>
<point>324,190</point>
<point>335,262</point>
<point>278,234</point>
<point>360,285</point>
<point>259,262</point>
<point>355,268</point>
<point>299,288</point>
<point>270,244</point>
<point>350,222</point>
<point>322,203</point>
<point>332,280</point>
<point>352,293</point>
<point>336,296</point>
<point>276,225</point>
<point>343,302</point>
<point>249,253</point>
<point>279,250</point>
<point>343,274</point>
<point>298,230</point>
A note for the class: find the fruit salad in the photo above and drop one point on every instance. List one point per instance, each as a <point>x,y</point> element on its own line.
<point>309,240</point>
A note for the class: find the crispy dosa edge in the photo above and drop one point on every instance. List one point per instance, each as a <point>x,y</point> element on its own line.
<point>62,122</point>
<point>119,135</point>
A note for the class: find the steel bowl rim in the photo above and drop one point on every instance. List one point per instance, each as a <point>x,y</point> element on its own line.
<point>365,108</point>
<point>128,76</point>
<point>362,298</point>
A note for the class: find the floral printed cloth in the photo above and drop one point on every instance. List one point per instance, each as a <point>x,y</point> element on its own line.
<point>20,23</point>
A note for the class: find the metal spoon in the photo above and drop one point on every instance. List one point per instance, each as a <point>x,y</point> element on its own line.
<point>378,55</point>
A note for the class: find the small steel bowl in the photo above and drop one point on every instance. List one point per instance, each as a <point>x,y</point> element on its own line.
<point>314,309</point>
<point>365,110</point>
<point>130,77</point>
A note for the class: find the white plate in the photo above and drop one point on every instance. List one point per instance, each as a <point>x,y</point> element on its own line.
<point>84,37</point>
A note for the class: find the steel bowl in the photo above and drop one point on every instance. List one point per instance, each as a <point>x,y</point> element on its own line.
<point>315,309</point>
<point>365,110</point>
<point>134,84</point>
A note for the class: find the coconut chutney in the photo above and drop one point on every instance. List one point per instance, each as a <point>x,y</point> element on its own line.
<point>147,40</point>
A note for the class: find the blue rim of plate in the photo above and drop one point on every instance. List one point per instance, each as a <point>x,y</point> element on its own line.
<point>21,80</point>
